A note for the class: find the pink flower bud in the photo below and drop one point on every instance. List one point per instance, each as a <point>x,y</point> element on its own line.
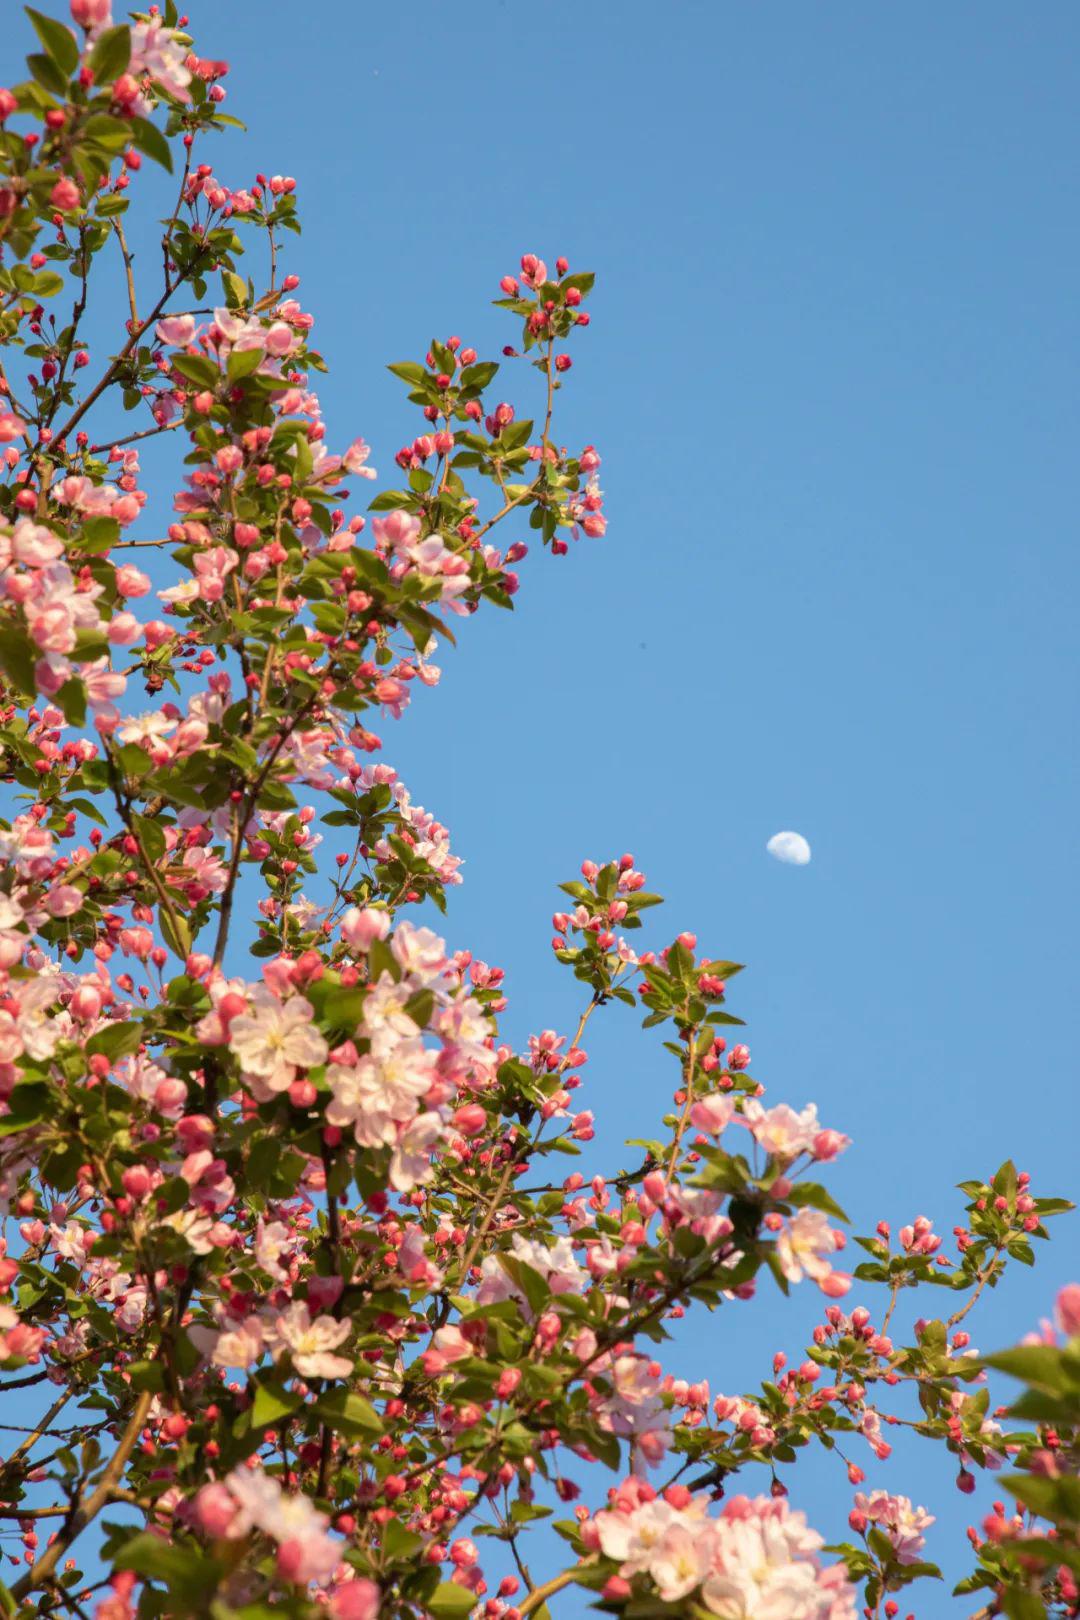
<point>215,1509</point>
<point>65,195</point>
<point>1067,1310</point>
<point>92,13</point>
<point>470,1120</point>
<point>615,1589</point>
<point>136,1179</point>
<point>835,1285</point>
<point>358,1599</point>
<point>549,1326</point>
<point>85,1004</point>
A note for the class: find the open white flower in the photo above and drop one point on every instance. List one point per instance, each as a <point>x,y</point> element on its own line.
<point>310,1342</point>
<point>410,1163</point>
<point>275,1039</point>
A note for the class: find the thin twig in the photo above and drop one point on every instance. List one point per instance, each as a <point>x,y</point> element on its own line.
<point>128,272</point>
<point>84,1512</point>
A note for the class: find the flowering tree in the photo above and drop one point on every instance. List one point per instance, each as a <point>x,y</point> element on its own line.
<point>297,1269</point>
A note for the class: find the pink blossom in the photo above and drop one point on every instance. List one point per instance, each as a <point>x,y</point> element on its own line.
<point>305,1551</point>
<point>92,13</point>
<point>360,928</point>
<point>803,1249</point>
<point>32,543</point>
<point>780,1131</point>
<point>215,1509</point>
<point>275,1039</point>
<point>757,1560</point>
<point>1067,1310</point>
<point>65,195</point>
<point>556,1265</point>
<point>452,1344</point>
<point>64,900</point>
<point>176,329</point>
<point>357,1599</point>
<point>310,1341</point>
<point>157,51</point>
<point>355,458</point>
<point>419,952</point>
<point>902,1523</point>
<point>713,1113</point>
<point>410,1162</point>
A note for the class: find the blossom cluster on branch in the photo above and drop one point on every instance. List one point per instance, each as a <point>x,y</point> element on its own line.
<point>292,1254</point>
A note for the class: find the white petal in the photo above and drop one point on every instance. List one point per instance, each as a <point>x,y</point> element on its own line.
<point>789,847</point>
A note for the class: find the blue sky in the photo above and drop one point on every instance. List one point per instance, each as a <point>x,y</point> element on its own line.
<point>831,372</point>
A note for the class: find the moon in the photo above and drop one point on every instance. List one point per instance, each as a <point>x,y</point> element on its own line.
<point>789,847</point>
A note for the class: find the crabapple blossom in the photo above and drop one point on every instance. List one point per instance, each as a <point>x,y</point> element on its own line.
<point>903,1523</point>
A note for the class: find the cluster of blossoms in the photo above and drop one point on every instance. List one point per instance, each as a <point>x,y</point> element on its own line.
<point>291,1243</point>
<point>755,1560</point>
<point>251,1499</point>
<point>902,1523</point>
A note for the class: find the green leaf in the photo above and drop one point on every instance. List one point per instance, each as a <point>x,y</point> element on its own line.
<point>47,74</point>
<point>197,369</point>
<point>349,1414</point>
<point>116,1040</point>
<point>89,644</point>
<point>399,1543</point>
<point>533,1286</point>
<point>111,55</point>
<point>450,1602</point>
<point>479,375</point>
<point>1057,1499</point>
<point>344,1007</point>
<point>272,1403</point>
<point>1036,1364</point>
<point>184,1568</point>
<point>242,362</point>
<point>1021,1605</point>
<point>147,1375</point>
<point>176,932</point>
<point>387,499</point>
<point>150,835</point>
<point>18,656</point>
<point>1053,1206</point>
<point>99,533</point>
<point>409,372</point>
<point>810,1195</point>
<point>86,807</point>
<point>236,288</point>
<point>72,700</point>
<point>47,283</point>
<point>149,139</point>
<point>58,40</point>
<point>29,1103</point>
